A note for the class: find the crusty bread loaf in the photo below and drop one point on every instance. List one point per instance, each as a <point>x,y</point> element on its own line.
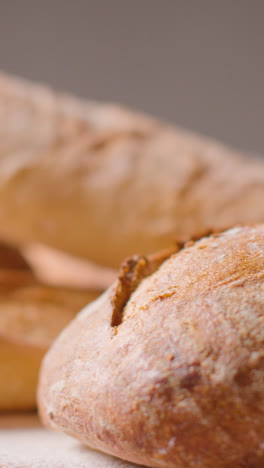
<point>32,314</point>
<point>167,371</point>
<point>101,182</point>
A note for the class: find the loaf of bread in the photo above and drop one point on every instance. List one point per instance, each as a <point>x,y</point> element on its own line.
<point>101,182</point>
<point>32,314</point>
<point>168,371</point>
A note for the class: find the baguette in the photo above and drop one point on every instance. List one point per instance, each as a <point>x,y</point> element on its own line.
<point>166,368</point>
<point>101,182</point>
<point>32,314</point>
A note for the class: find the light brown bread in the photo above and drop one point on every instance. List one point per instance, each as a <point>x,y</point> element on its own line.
<point>32,314</point>
<point>102,182</point>
<point>168,371</point>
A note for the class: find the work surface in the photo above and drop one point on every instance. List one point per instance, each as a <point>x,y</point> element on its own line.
<point>24,443</point>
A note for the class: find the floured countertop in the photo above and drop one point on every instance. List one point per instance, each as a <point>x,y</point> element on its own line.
<point>25,444</point>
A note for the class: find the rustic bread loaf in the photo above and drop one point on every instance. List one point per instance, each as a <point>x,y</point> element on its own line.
<point>168,371</point>
<point>32,314</point>
<point>101,182</point>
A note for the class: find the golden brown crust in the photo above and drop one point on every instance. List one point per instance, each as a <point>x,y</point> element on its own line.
<point>181,381</point>
<point>99,181</point>
<point>19,367</point>
<point>31,317</point>
<point>32,314</point>
<point>133,270</point>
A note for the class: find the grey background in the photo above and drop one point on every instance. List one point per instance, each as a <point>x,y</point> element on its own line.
<point>198,63</point>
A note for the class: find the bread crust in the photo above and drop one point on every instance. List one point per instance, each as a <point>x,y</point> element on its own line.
<point>31,317</point>
<point>102,182</point>
<point>32,314</point>
<point>179,382</point>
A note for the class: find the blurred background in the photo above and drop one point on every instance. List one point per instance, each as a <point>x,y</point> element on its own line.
<point>199,64</point>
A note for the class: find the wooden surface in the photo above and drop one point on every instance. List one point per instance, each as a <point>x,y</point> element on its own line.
<point>24,443</point>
